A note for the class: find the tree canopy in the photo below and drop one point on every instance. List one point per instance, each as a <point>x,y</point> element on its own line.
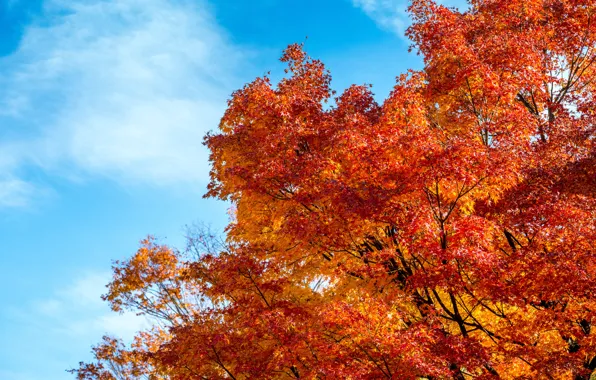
<point>447,233</point>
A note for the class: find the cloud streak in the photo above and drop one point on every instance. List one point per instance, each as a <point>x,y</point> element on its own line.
<point>15,192</point>
<point>392,15</point>
<point>77,311</point>
<point>119,89</point>
<point>61,328</point>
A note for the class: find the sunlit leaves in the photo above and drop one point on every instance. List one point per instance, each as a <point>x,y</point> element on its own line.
<point>448,232</point>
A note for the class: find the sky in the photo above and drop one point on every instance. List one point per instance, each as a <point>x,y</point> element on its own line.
<point>103,108</point>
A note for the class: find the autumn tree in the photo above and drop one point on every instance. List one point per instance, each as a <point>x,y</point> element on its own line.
<point>447,233</point>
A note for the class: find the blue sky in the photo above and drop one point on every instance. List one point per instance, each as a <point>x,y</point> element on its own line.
<point>103,106</point>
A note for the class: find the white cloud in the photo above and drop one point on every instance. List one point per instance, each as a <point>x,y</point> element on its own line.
<point>15,192</point>
<point>61,329</point>
<point>86,290</point>
<point>77,311</point>
<point>123,89</point>
<point>392,15</point>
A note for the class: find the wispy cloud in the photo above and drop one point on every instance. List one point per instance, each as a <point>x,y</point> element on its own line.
<point>392,15</point>
<point>15,192</point>
<point>61,327</point>
<point>123,89</point>
<point>77,311</point>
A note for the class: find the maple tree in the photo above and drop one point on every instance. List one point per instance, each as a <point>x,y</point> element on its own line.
<point>447,233</point>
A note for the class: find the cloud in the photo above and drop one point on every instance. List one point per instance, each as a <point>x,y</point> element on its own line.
<point>15,192</point>
<point>392,15</point>
<point>77,311</point>
<point>123,89</point>
<point>61,329</point>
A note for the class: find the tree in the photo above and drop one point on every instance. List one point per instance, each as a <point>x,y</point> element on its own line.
<point>447,233</point>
